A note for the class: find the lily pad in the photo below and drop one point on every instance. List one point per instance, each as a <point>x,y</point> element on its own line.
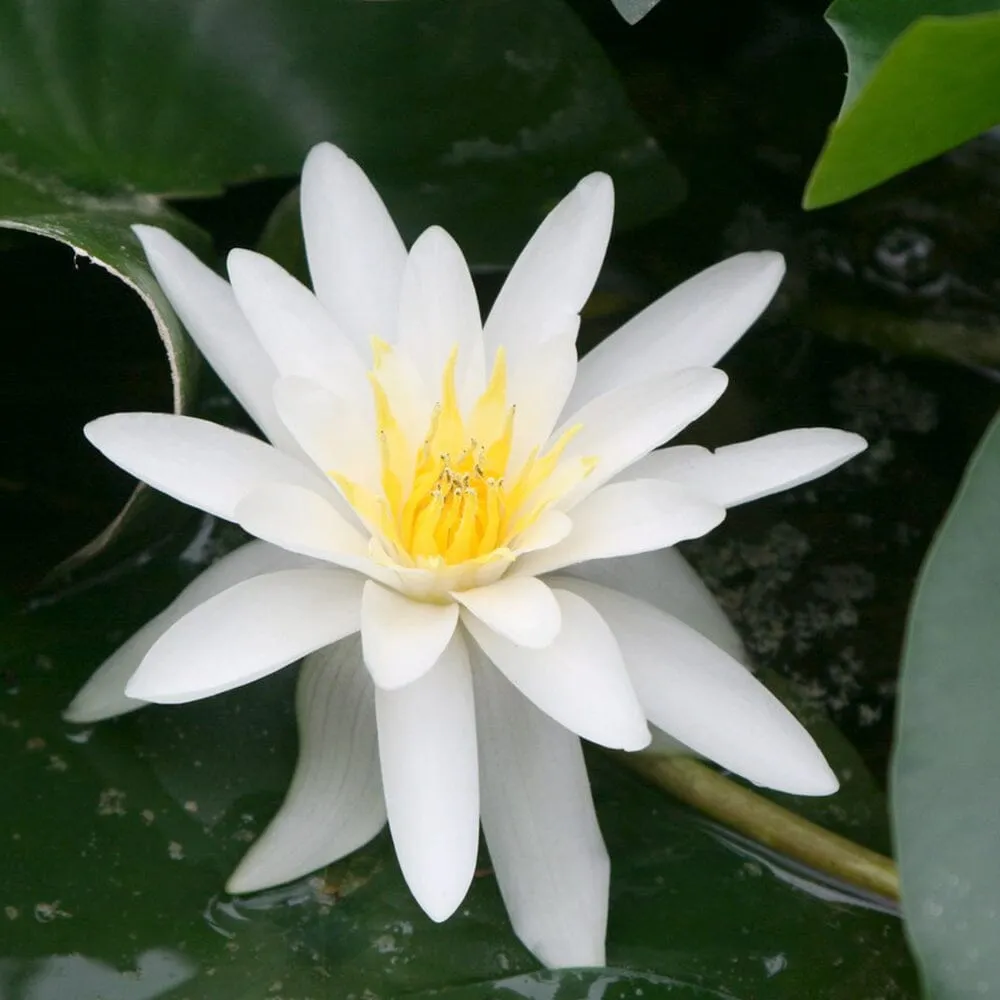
<point>946,767</point>
<point>123,835</point>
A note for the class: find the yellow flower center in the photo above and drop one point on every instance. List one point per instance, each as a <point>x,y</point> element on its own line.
<point>452,499</point>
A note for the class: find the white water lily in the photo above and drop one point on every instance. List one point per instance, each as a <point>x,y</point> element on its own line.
<point>466,533</point>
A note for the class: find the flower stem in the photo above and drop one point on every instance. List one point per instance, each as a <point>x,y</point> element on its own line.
<point>768,824</point>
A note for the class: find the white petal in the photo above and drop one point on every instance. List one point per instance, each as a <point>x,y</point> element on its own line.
<point>298,334</point>
<point>207,307</point>
<point>667,581</point>
<point>427,745</point>
<point>551,528</point>
<point>554,275</point>
<point>701,696</point>
<point>538,384</point>
<point>103,696</point>
<point>336,433</point>
<point>579,679</point>
<point>621,519</point>
<point>195,461</point>
<point>623,425</point>
<point>301,521</point>
<point>438,312</point>
<point>693,325</point>
<point>520,608</point>
<point>402,638</point>
<point>334,804</point>
<point>356,255</point>
<point>248,632</point>
<point>540,827</point>
<point>738,473</point>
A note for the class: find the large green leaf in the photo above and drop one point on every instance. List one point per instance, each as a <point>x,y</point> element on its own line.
<point>923,77</point>
<point>99,230</point>
<point>122,834</point>
<point>946,768</point>
<point>476,115</point>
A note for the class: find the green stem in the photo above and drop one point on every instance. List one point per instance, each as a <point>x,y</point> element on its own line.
<point>768,824</point>
<point>966,343</point>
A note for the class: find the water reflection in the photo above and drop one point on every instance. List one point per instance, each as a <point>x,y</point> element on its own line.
<point>76,977</point>
<point>802,877</point>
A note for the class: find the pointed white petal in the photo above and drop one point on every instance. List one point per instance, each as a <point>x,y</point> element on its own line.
<point>693,325</point>
<point>621,426</point>
<point>550,529</point>
<point>555,272</point>
<point>621,519</point>
<point>520,608</point>
<point>207,307</point>
<point>673,463</point>
<point>402,638</point>
<point>334,804</point>
<point>738,473</point>
<point>302,521</point>
<point>103,696</point>
<point>337,434</point>
<point>356,255</point>
<point>248,632</point>
<point>538,384</point>
<point>697,693</point>
<point>540,826</point>
<point>438,312</point>
<point>579,679</point>
<point>195,461</point>
<point>427,745</point>
<point>667,581</point>
<point>298,334</point>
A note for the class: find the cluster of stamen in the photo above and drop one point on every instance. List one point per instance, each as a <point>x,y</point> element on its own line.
<point>452,499</point>
<point>459,517</point>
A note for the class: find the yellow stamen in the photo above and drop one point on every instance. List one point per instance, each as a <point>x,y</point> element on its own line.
<point>447,497</point>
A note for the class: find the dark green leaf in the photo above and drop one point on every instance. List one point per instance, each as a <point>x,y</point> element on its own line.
<point>923,77</point>
<point>122,836</point>
<point>478,115</point>
<point>946,769</point>
<point>99,229</point>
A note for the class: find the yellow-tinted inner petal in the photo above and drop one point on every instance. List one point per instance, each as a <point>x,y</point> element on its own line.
<point>451,501</point>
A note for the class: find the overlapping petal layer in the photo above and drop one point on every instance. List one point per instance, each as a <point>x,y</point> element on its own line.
<point>540,826</point>
<point>103,696</point>
<point>424,471</point>
<point>335,803</point>
<point>247,632</point>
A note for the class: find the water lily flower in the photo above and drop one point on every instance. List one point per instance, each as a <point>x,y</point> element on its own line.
<point>468,535</point>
